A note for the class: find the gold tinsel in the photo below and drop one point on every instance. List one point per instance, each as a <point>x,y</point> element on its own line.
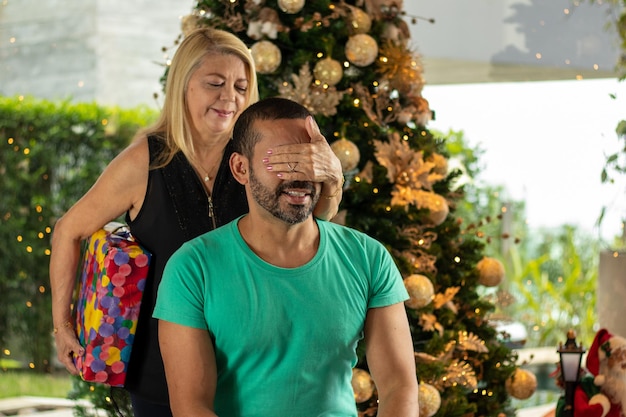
<point>317,99</point>
<point>428,322</point>
<point>460,373</point>
<point>501,299</point>
<point>417,254</point>
<point>411,175</point>
<point>318,20</point>
<point>421,261</point>
<point>404,166</point>
<point>230,18</point>
<point>401,68</point>
<point>442,299</point>
<point>469,341</point>
<point>379,107</point>
<point>443,357</point>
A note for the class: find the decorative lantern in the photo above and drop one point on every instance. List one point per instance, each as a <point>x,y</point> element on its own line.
<point>570,356</point>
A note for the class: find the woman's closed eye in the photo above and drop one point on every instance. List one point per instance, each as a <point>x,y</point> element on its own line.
<point>240,88</point>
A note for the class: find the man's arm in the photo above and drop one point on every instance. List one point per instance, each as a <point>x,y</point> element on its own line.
<point>391,361</point>
<point>190,369</point>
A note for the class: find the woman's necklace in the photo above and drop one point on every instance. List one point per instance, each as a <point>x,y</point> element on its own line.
<point>205,174</point>
<point>206,177</point>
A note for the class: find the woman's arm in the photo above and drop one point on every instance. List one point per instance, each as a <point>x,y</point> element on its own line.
<point>121,187</point>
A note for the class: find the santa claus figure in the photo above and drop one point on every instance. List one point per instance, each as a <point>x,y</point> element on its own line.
<point>603,394</point>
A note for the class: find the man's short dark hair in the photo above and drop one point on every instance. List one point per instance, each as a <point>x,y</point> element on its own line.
<point>274,108</point>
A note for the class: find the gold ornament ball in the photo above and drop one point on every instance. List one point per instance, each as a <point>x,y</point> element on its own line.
<point>267,57</point>
<point>360,21</point>
<point>362,384</point>
<point>347,152</point>
<point>291,6</point>
<point>438,207</point>
<point>189,23</point>
<point>521,384</point>
<point>420,290</point>
<point>361,49</point>
<point>328,71</point>
<point>490,271</point>
<point>429,400</point>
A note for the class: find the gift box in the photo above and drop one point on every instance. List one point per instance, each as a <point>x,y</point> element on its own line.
<point>110,290</point>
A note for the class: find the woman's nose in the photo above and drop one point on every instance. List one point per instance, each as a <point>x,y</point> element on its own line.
<point>227,94</point>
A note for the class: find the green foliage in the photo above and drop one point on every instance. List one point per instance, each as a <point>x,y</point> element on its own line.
<point>51,154</point>
<point>555,287</point>
<point>616,162</point>
<point>556,268</point>
<point>14,383</point>
<point>115,402</point>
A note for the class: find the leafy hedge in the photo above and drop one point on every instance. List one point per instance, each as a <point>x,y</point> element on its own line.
<point>52,152</point>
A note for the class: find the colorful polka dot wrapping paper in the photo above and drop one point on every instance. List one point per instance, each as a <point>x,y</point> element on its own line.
<point>110,290</point>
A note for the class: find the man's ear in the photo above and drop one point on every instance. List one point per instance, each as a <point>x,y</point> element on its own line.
<point>239,166</point>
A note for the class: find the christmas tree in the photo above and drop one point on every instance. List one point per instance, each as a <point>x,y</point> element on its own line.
<point>351,64</point>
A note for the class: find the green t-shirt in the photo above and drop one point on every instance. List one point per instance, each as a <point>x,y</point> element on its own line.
<point>285,338</point>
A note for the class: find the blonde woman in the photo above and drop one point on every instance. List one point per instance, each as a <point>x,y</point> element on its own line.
<point>173,183</point>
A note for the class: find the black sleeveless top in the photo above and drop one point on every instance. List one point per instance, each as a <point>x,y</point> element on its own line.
<point>175,210</point>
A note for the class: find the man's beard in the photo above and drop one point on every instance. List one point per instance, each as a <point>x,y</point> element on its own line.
<point>615,386</point>
<point>270,199</point>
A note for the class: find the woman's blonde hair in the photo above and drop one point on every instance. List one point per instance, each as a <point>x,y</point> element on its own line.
<point>173,123</point>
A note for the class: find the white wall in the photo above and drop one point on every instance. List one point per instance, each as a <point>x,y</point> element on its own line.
<point>545,142</point>
<point>109,51</point>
